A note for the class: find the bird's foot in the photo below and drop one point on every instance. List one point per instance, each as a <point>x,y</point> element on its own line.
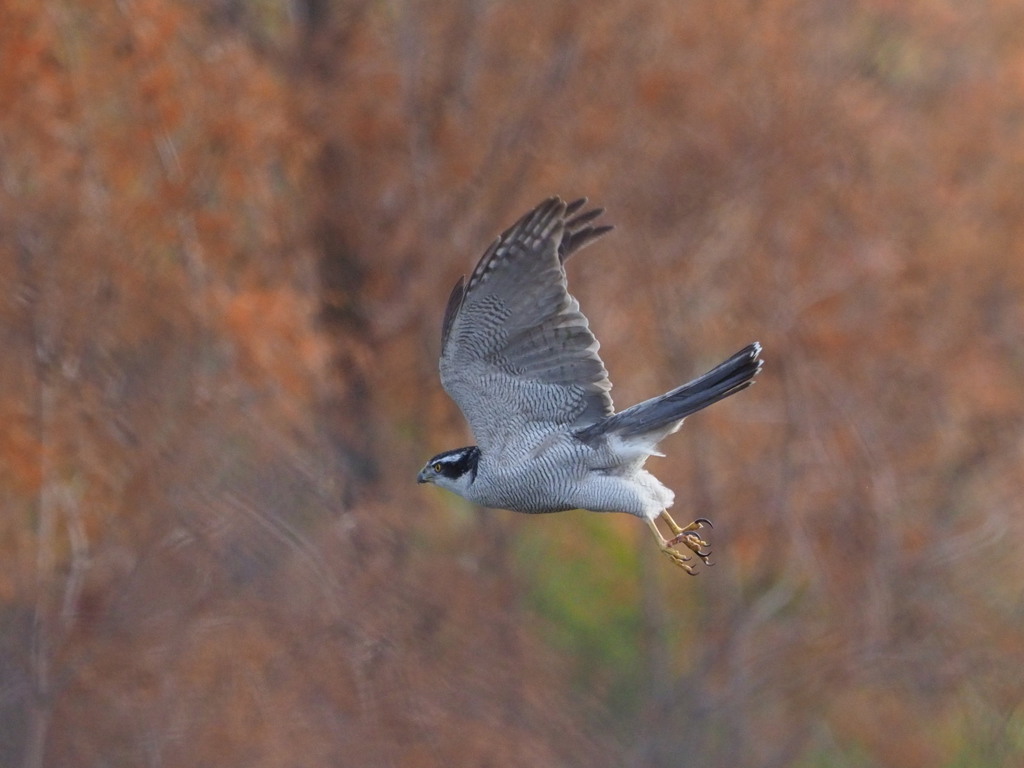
<point>689,537</point>
<point>679,558</point>
<point>692,539</point>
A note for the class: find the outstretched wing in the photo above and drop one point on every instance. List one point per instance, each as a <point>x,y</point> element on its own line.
<point>516,352</point>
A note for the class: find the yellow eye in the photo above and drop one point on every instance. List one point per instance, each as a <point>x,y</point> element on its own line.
<point>437,467</point>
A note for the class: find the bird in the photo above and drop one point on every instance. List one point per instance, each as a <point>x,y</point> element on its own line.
<point>519,359</point>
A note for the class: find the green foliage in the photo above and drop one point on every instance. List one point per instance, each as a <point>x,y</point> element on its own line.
<point>582,581</point>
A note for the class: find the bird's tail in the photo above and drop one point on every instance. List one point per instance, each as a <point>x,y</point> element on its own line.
<point>663,413</point>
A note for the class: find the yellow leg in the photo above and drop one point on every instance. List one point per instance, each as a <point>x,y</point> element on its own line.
<point>687,536</point>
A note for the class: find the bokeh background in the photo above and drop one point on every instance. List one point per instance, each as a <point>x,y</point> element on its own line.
<point>227,231</point>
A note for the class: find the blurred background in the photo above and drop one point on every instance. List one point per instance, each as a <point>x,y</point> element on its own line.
<point>227,233</point>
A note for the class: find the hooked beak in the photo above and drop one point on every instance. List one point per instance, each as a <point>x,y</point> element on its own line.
<point>422,476</point>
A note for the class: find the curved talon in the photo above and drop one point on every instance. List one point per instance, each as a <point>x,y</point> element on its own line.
<point>687,536</point>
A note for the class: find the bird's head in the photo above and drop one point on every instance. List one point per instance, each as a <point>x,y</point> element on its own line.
<point>454,470</point>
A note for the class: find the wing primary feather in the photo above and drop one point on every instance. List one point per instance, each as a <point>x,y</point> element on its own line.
<point>576,241</point>
<point>574,206</point>
<point>452,309</point>
<point>583,218</point>
<point>540,223</point>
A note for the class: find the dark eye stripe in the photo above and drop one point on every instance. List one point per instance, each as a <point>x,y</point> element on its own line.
<point>456,463</point>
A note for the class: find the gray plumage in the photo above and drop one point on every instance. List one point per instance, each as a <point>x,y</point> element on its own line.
<point>515,347</point>
<point>519,359</point>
